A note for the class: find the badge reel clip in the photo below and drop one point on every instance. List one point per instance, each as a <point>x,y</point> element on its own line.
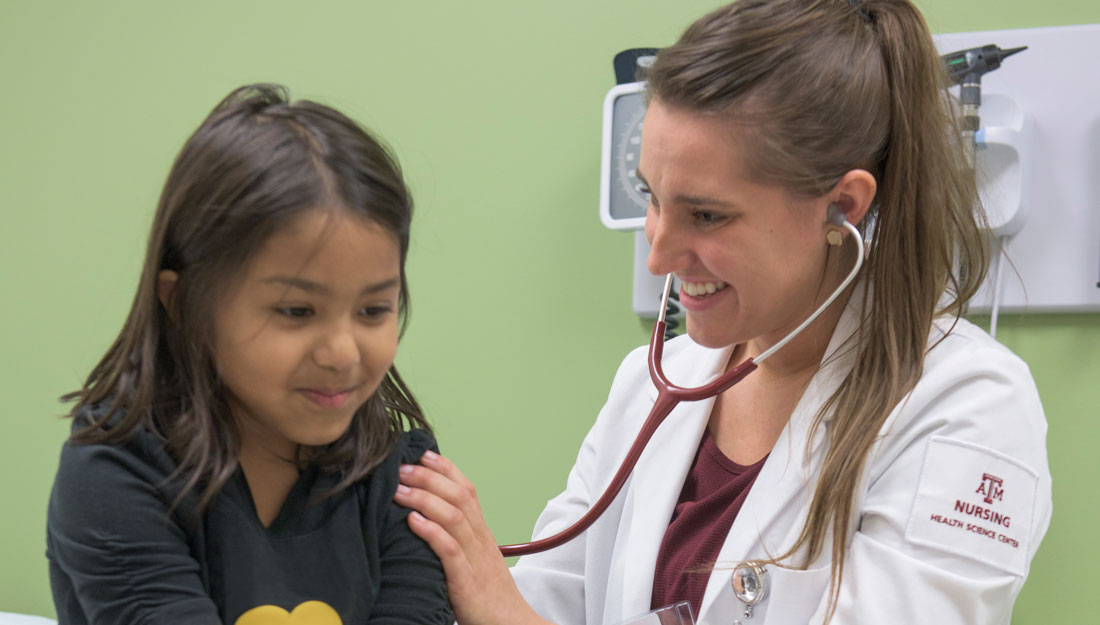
<point>675,614</point>
<point>750,586</point>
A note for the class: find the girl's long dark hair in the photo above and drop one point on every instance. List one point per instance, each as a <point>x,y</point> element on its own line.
<point>257,161</point>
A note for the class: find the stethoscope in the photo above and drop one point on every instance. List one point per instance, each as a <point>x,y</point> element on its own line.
<point>668,396</point>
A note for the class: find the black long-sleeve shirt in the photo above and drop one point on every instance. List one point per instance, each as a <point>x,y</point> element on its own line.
<point>118,555</point>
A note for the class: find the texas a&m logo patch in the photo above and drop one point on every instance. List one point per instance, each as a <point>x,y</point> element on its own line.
<point>991,487</point>
<point>975,502</point>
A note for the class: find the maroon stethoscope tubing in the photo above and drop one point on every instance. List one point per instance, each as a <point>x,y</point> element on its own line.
<point>668,395</point>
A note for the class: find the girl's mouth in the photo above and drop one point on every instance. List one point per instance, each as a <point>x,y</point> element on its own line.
<point>326,398</point>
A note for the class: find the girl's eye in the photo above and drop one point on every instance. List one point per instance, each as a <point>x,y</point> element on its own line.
<point>375,312</point>
<point>294,312</point>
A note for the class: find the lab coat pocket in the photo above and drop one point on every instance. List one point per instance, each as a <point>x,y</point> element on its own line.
<point>795,594</point>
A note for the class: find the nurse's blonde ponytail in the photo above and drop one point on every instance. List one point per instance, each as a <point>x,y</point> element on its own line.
<point>821,87</point>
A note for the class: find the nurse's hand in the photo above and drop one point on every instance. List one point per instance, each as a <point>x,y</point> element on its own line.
<point>447,515</point>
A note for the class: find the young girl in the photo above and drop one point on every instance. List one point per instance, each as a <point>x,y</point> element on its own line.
<point>235,452</point>
<point>887,465</point>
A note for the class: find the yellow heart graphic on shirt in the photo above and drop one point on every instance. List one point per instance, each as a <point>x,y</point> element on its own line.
<point>308,613</point>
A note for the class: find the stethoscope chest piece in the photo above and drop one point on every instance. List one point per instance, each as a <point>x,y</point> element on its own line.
<point>750,586</point>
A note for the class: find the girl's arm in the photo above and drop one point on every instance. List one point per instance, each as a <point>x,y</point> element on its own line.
<point>116,553</point>
<point>412,589</point>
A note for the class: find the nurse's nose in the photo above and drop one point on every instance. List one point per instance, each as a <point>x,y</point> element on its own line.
<point>669,251</point>
<point>337,348</point>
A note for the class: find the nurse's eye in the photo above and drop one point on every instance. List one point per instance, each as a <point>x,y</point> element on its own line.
<point>295,312</point>
<point>644,190</point>
<point>707,218</point>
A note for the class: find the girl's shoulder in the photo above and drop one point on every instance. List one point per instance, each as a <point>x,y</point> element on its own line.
<point>408,449</point>
<point>99,484</point>
<point>413,444</point>
<point>141,453</point>
<point>375,491</point>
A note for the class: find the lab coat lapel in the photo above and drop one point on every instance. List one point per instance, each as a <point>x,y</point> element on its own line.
<point>774,511</point>
<point>659,476</point>
<point>761,527</point>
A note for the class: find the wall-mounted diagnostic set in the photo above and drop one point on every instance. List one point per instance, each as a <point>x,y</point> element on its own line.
<point>1035,129</point>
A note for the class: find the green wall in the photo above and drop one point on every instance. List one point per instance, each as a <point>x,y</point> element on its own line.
<point>521,306</point>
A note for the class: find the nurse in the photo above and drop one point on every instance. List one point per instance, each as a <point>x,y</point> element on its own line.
<point>886,466</point>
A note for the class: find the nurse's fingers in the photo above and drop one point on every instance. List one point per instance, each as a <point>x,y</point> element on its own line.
<point>441,477</point>
<point>454,543</point>
<point>436,497</point>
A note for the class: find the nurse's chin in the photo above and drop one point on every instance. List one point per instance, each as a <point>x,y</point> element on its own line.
<point>714,338</point>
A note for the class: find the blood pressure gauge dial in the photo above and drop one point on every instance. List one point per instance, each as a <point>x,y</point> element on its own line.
<point>623,202</point>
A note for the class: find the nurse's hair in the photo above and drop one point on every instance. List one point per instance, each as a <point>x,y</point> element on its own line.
<point>818,88</point>
<point>254,164</point>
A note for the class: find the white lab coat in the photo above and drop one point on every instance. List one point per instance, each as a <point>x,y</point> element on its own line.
<point>914,557</point>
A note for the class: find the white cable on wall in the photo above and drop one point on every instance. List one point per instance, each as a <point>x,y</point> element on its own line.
<point>998,262</point>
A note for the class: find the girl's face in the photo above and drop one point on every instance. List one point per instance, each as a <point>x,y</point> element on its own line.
<point>308,333</point>
<point>751,256</point>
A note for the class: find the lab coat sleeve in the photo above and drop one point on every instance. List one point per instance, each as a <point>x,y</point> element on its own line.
<point>922,551</point>
<point>554,582</point>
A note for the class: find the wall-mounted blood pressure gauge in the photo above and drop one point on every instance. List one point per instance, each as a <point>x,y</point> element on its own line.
<point>623,201</point>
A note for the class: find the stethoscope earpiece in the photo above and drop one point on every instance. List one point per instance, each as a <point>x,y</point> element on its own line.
<point>835,216</point>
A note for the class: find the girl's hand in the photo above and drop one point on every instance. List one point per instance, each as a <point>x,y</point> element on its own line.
<point>447,515</point>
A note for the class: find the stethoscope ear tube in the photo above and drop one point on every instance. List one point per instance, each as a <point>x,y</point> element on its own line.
<point>668,396</point>
<point>835,216</point>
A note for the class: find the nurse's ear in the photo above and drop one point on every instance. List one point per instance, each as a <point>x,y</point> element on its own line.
<point>854,194</point>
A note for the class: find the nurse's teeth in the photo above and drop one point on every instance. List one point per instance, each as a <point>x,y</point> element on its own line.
<point>703,289</point>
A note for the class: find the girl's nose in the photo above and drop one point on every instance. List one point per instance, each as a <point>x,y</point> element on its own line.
<point>337,349</point>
